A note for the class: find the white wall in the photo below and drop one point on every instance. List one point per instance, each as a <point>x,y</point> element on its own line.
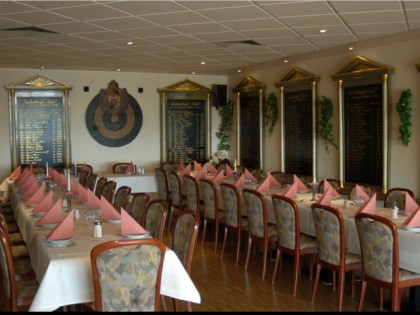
<point>404,162</point>
<point>144,149</point>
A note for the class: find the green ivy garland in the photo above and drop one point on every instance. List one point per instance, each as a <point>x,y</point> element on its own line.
<point>404,109</point>
<point>325,125</point>
<point>226,126</point>
<point>271,112</point>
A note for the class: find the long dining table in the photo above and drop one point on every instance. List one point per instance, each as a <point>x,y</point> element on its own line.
<point>64,273</point>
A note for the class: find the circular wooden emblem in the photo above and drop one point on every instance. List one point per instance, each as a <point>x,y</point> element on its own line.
<point>114,128</point>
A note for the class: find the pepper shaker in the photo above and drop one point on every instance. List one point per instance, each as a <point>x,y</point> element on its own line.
<point>97,229</point>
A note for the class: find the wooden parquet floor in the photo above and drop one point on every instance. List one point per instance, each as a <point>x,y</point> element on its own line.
<point>223,286</point>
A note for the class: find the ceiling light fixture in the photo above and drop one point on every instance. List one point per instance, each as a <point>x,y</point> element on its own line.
<point>130,43</point>
<point>285,61</point>
<point>42,67</point>
<point>239,70</point>
<point>322,30</point>
<point>351,48</point>
<point>118,69</point>
<point>203,62</point>
<point>193,72</point>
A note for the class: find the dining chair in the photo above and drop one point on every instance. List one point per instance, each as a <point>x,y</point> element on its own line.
<point>127,274</point>
<point>335,183</point>
<point>81,167</point>
<point>192,191</point>
<point>169,166</point>
<point>39,169</point>
<point>122,198</point>
<point>234,221</point>
<point>183,242</point>
<point>397,195</point>
<point>109,190</point>
<point>162,185</point>
<point>17,295</point>
<point>100,184</point>
<point>258,227</point>
<point>379,245</point>
<point>177,199</point>
<point>368,189</point>
<point>290,240</point>
<point>332,252</point>
<point>120,168</point>
<point>210,207</point>
<point>155,217</point>
<point>279,176</point>
<point>91,182</point>
<point>18,247</point>
<point>138,206</point>
<point>83,177</point>
<point>257,173</point>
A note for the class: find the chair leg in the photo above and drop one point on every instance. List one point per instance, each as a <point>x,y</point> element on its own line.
<point>311,266</point>
<point>381,299</point>
<point>353,283</point>
<point>189,308</point>
<point>362,296</point>
<point>238,248</point>
<point>276,265</point>
<point>265,257</point>
<point>334,280</point>
<point>163,302</point>
<point>341,278</point>
<point>216,236</point>
<point>296,270</point>
<point>318,271</point>
<point>204,232</point>
<point>248,252</point>
<point>175,304</point>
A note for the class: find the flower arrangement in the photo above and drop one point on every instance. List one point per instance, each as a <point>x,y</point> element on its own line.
<point>404,110</point>
<point>325,125</point>
<point>271,112</point>
<point>226,126</point>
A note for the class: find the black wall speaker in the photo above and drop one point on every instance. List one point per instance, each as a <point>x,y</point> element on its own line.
<point>219,95</point>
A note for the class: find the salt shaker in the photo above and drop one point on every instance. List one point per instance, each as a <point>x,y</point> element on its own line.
<point>395,211</point>
<point>97,229</point>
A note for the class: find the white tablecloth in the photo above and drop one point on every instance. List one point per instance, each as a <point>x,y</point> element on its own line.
<point>65,274</point>
<point>138,183</point>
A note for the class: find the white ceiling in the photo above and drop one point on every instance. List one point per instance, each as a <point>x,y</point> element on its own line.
<point>176,36</point>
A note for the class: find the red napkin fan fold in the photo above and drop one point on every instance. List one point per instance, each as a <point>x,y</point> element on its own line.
<point>129,225</point>
<point>64,230</point>
<point>291,192</point>
<point>369,206</point>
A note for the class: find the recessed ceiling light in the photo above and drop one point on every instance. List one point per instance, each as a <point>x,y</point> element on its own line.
<point>203,62</point>
<point>322,30</point>
<point>118,69</point>
<point>42,67</point>
<point>193,72</point>
<point>239,70</point>
<point>285,61</point>
<point>130,43</point>
<point>351,48</point>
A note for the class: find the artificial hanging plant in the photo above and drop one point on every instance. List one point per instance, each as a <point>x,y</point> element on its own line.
<point>271,112</point>
<point>226,126</point>
<point>325,125</point>
<point>404,110</point>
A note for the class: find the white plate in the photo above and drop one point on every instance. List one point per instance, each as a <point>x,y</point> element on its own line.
<point>32,205</point>
<point>59,243</point>
<point>147,235</point>
<point>113,221</point>
<point>46,225</point>
<point>411,229</point>
<point>336,197</point>
<point>38,214</point>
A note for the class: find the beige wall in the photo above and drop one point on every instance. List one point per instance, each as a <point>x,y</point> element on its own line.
<point>404,162</point>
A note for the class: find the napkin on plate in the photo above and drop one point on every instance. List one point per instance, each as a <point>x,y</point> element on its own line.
<point>410,204</point>
<point>300,184</point>
<point>369,206</point>
<point>248,174</point>
<point>45,204</point>
<point>130,168</point>
<point>325,199</point>
<point>212,169</point>
<point>129,225</point>
<point>264,186</point>
<point>83,194</point>
<point>273,182</point>
<point>16,173</point>
<point>360,192</point>
<point>108,211</point>
<point>413,220</point>
<point>31,190</point>
<point>64,230</point>
<point>23,177</point>
<point>93,202</point>
<point>291,192</point>
<point>197,166</point>
<point>229,171</point>
<point>218,178</point>
<point>240,182</point>
<point>201,173</point>
<point>53,215</point>
<point>28,183</point>
<point>328,185</point>
<point>37,197</point>
<point>187,170</point>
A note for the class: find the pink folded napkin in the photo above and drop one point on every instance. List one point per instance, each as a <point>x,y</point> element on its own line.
<point>328,185</point>
<point>83,194</point>
<point>218,178</point>
<point>325,199</point>
<point>64,230</point>
<point>45,204</point>
<point>16,173</point>
<point>129,225</point>
<point>28,183</point>
<point>93,202</point>
<point>360,192</point>
<point>413,220</point>
<point>74,188</point>
<point>240,182</point>
<point>248,174</point>
<point>23,177</point>
<point>369,206</point>
<point>130,168</point>
<point>56,176</point>
<point>201,173</point>
<point>410,204</point>
<point>181,166</point>
<point>212,169</point>
<point>291,192</point>
<point>197,166</point>
<point>53,215</point>
<point>37,197</point>
<point>273,182</point>
<point>300,184</point>
<point>187,170</point>
<point>229,171</point>
<point>264,186</point>
<point>31,190</point>
<point>108,211</point>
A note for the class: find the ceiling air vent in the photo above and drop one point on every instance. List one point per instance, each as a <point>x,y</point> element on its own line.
<point>237,42</point>
<point>29,29</point>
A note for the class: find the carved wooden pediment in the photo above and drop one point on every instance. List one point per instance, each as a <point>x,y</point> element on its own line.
<point>297,76</point>
<point>248,84</point>
<point>185,86</point>
<point>361,67</point>
<point>38,81</point>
